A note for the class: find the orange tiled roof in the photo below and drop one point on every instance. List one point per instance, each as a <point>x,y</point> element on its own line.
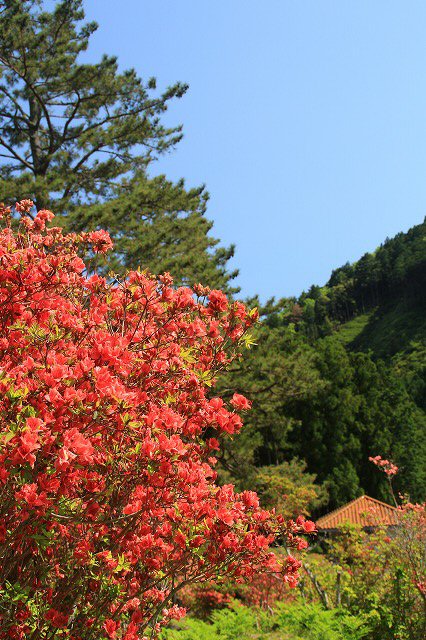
<point>364,511</point>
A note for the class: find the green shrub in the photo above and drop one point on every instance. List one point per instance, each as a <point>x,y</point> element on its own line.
<point>228,624</point>
<point>312,622</point>
<point>295,621</point>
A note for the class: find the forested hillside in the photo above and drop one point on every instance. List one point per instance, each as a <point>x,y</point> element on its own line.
<point>378,302</point>
<point>338,375</point>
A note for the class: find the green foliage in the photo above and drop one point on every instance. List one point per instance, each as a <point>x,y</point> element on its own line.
<point>410,365</point>
<point>295,621</point>
<point>289,489</point>
<point>376,303</point>
<point>281,367</point>
<point>396,270</point>
<point>312,622</point>
<point>235,622</point>
<point>363,409</point>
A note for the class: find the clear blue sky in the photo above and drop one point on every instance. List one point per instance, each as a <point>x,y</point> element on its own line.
<point>306,120</point>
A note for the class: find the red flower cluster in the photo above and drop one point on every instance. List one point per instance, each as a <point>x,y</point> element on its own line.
<point>109,503</point>
<point>385,465</point>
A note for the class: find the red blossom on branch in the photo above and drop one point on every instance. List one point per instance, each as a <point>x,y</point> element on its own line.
<point>240,402</point>
<point>109,502</point>
<point>386,466</point>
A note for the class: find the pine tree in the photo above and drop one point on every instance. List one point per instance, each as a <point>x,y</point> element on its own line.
<point>79,139</point>
<point>162,226</point>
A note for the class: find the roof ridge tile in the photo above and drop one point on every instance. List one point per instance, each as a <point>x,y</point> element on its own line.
<point>352,512</point>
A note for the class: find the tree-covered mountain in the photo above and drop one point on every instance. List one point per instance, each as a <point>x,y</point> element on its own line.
<point>377,303</point>
<point>339,375</point>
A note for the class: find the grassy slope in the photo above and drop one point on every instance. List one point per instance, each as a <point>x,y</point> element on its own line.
<point>349,331</point>
<point>386,330</point>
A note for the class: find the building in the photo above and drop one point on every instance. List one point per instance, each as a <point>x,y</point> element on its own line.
<point>364,511</point>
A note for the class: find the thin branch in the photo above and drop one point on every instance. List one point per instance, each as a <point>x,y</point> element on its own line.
<point>15,155</point>
<point>15,102</point>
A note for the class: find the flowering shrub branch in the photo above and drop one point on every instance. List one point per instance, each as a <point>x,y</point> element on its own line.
<point>411,534</point>
<point>108,498</point>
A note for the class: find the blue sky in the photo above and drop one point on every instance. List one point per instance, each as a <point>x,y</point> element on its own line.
<point>306,121</point>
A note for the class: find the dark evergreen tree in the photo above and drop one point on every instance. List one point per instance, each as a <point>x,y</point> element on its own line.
<point>280,368</point>
<point>162,226</point>
<point>79,138</point>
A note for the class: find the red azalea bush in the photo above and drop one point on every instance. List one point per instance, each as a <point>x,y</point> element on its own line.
<point>108,498</point>
<point>410,535</point>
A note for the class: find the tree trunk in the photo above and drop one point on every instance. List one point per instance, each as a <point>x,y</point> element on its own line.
<point>322,594</point>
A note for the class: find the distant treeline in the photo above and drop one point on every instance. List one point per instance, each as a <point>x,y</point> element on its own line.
<point>395,271</point>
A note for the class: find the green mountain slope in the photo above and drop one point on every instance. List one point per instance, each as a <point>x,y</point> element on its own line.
<point>338,375</point>
<point>386,330</point>
<point>377,303</point>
